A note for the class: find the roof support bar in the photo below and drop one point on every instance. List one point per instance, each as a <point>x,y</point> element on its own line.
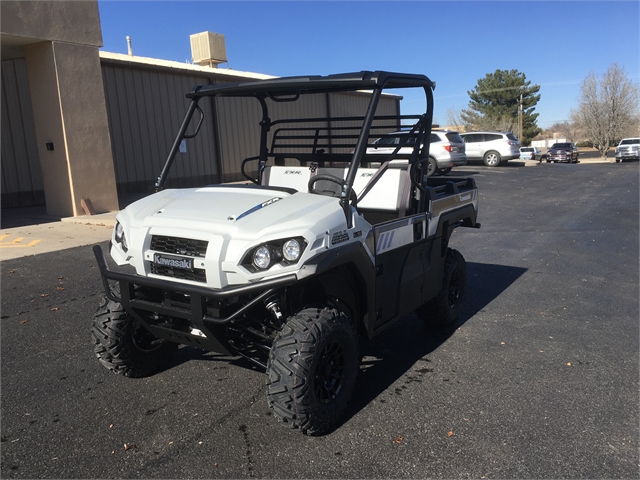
<point>193,106</point>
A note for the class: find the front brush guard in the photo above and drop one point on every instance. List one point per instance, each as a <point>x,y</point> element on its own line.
<point>196,313</point>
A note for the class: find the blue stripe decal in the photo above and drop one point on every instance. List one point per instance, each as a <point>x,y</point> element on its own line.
<point>251,210</point>
<point>258,207</point>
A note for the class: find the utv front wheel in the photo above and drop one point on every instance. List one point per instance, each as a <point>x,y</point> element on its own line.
<point>124,346</point>
<point>312,370</point>
<point>444,309</point>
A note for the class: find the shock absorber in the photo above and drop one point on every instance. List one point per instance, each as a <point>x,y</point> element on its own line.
<point>272,304</point>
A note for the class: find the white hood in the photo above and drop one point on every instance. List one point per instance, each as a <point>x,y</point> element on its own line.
<point>222,210</point>
<point>231,220</point>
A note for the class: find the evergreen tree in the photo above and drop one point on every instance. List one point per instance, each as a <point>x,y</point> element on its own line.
<point>495,101</point>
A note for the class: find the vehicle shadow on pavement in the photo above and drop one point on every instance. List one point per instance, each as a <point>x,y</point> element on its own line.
<point>187,353</point>
<point>391,356</point>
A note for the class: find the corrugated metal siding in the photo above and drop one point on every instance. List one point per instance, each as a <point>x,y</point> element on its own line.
<point>238,123</point>
<point>145,109</point>
<point>21,174</point>
<point>308,106</point>
<point>146,106</point>
<point>239,134</point>
<point>355,105</point>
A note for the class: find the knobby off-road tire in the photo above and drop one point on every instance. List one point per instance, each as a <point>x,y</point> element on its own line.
<point>312,370</point>
<point>124,346</point>
<point>444,309</point>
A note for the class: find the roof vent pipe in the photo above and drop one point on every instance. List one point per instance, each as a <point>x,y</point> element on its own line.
<point>129,48</point>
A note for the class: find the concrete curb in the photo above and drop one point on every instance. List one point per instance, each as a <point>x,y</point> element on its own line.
<point>582,161</point>
<point>102,219</point>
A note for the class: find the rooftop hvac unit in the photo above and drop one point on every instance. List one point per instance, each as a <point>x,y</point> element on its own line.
<point>208,48</point>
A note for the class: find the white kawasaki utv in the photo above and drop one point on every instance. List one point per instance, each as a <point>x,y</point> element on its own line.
<point>316,250</point>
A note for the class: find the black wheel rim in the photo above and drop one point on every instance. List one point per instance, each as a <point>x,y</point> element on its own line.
<point>454,289</point>
<point>329,374</point>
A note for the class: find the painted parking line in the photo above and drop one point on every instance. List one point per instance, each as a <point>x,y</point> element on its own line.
<point>16,243</point>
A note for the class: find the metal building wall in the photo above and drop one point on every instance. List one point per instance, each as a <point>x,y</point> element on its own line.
<point>239,133</point>
<point>21,175</point>
<point>238,122</point>
<point>145,109</point>
<point>355,104</point>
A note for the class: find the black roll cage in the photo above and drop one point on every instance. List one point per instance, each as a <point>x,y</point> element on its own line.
<point>290,88</point>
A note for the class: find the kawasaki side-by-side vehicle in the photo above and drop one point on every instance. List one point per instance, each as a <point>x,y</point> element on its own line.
<point>323,246</point>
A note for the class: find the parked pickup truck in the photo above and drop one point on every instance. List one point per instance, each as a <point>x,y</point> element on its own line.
<point>292,269</point>
<point>562,152</point>
<point>628,149</point>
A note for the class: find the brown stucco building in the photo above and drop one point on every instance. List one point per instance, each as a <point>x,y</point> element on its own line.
<point>83,124</point>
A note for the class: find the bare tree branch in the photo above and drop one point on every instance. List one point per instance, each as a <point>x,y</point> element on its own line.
<point>608,108</point>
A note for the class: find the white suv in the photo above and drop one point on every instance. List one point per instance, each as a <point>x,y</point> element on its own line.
<point>493,148</point>
<point>628,149</point>
<point>446,149</point>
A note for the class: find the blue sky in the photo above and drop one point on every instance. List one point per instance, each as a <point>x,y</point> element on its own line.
<point>455,43</point>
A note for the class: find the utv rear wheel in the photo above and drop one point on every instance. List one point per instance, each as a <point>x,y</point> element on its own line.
<point>124,346</point>
<point>444,309</point>
<point>312,370</point>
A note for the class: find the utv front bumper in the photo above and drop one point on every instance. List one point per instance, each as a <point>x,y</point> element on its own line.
<point>175,309</point>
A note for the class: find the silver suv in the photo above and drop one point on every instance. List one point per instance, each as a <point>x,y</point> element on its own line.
<point>493,148</point>
<point>446,149</point>
<point>628,149</point>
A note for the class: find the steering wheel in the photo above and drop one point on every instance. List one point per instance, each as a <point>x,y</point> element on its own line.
<point>333,179</point>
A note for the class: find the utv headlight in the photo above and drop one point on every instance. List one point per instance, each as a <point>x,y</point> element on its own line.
<point>284,251</point>
<point>262,257</point>
<point>291,250</point>
<point>121,237</point>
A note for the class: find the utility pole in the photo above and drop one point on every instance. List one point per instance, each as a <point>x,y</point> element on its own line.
<point>520,117</point>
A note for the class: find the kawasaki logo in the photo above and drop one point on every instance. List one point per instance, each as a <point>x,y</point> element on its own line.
<point>173,262</point>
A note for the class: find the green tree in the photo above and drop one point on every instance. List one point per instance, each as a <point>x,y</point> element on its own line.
<point>495,103</point>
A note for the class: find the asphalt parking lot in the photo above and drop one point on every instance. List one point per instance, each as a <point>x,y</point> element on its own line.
<point>539,378</point>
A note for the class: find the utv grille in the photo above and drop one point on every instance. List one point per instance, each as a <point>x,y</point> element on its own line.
<point>195,275</point>
<point>179,246</point>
